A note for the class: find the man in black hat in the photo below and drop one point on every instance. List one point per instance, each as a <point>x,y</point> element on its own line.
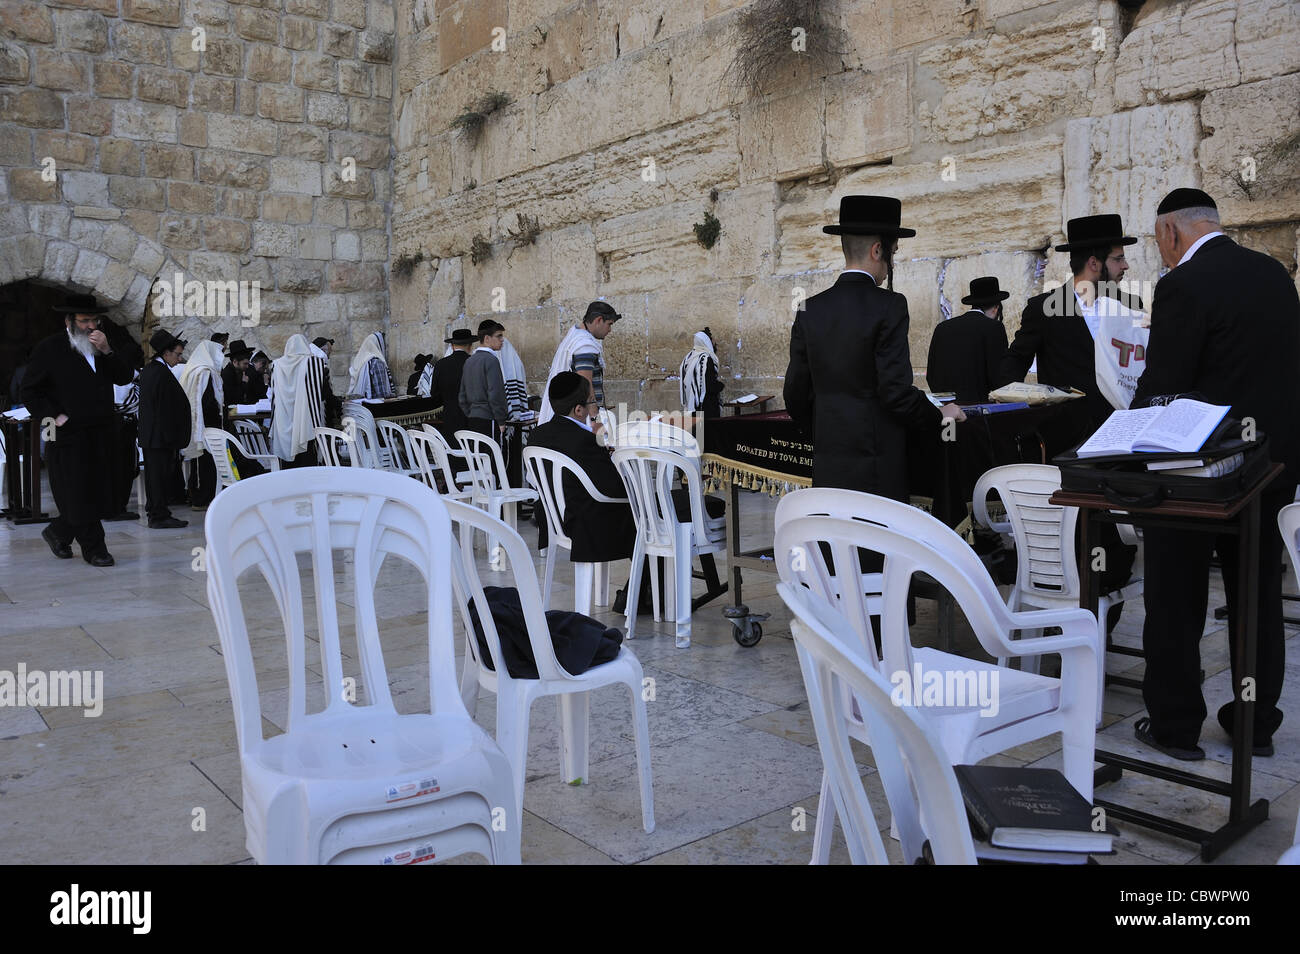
<point>1225,328</point>
<point>966,351</point>
<point>234,376</point>
<point>849,381</point>
<point>1057,327</point>
<point>164,426</point>
<point>69,387</point>
<point>442,381</point>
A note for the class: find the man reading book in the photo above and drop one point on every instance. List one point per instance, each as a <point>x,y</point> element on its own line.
<point>1225,328</point>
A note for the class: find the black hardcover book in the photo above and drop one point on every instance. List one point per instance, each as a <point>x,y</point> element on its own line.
<point>1028,808</point>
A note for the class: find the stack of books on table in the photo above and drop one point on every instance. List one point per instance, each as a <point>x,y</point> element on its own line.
<point>1029,815</point>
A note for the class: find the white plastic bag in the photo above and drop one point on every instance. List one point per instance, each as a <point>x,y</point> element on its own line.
<point>1120,348</point>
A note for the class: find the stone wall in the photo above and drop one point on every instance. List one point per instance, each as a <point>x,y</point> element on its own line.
<point>993,120</point>
<point>139,138</point>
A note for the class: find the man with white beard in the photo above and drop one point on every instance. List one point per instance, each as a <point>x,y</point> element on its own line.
<point>69,386</point>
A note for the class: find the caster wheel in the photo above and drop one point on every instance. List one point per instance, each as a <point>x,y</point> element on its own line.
<point>749,635</point>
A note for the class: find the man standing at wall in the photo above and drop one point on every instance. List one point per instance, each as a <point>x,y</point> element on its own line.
<point>582,351</point>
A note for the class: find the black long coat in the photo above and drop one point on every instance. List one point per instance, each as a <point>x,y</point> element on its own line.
<point>164,409</point>
<point>445,385</point>
<point>1226,325</point>
<point>849,382</point>
<point>966,353</point>
<point>80,458</point>
<point>600,532</point>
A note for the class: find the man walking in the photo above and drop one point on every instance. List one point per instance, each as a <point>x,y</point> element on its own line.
<point>164,427</point>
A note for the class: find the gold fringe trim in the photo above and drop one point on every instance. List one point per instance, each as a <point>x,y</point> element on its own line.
<point>721,472</point>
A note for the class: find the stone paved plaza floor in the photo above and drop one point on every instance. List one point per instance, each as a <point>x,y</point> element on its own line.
<point>732,744</point>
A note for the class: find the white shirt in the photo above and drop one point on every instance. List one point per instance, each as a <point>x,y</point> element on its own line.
<point>860,272</point>
<point>1195,246</point>
<point>583,424</point>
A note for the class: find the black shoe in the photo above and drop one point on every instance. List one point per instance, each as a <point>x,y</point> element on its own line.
<point>1142,732</point>
<point>61,550</point>
<point>644,608</point>
<point>124,515</point>
<point>103,558</point>
<point>168,523</point>
<point>1263,747</point>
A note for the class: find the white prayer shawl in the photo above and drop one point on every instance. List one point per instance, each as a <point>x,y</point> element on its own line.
<point>298,408</point>
<point>694,371</point>
<point>512,370</point>
<point>578,341</point>
<point>371,348</point>
<point>204,367</point>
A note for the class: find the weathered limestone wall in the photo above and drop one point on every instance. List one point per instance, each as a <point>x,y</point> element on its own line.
<point>993,120</point>
<point>226,163</point>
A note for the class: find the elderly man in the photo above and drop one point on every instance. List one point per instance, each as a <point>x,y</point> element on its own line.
<point>164,426</point>
<point>69,389</point>
<point>1225,328</point>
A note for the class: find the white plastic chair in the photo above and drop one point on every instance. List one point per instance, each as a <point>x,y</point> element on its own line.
<point>544,469</point>
<point>396,442</point>
<point>483,455</point>
<point>373,452</point>
<point>1047,568</point>
<point>1026,706</point>
<point>455,457</point>
<point>1292,855</point>
<point>217,441</point>
<point>917,776</point>
<point>609,426</point>
<point>254,445</point>
<point>331,444</point>
<point>431,460</point>
<point>516,696</point>
<point>658,435</point>
<point>650,476</point>
<point>1288,522</point>
<point>352,782</point>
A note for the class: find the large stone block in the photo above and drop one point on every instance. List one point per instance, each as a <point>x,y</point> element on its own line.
<point>191,197</point>
<point>138,43</point>
<point>53,70</point>
<point>83,30</point>
<point>242,135</point>
<point>148,122</point>
<point>281,103</point>
<point>1177,50</point>
<point>41,108</point>
<point>160,12</point>
<point>269,64</point>
<point>1128,162</point>
<point>119,157</point>
<point>295,176</point>
<point>1005,198</point>
<point>781,137</point>
<point>324,109</point>
<point>27,185</point>
<point>466,27</point>
<point>674,315</point>
<point>26,21</point>
<point>300,34</point>
<point>302,142</point>
<point>287,208</point>
<point>765,317</point>
<point>114,80</point>
<point>171,87</point>
<point>66,149</point>
<point>226,235</point>
<point>1268,38</point>
<point>1249,159</point>
<point>868,115</point>
<point>223,57</point>
<point>214,94</point>
<point>351,12</point>
<point>273,240</point>
<point>1004,83</point>
<point>90,115</point>
<point>920,21</point>
<point>128,192</point>
<point>15,65</point>
<point>699,61</point>
<point>253,24</point>
<point>241,172</point>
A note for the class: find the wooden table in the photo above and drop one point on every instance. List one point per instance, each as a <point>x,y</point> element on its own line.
<point>1241,518</point>
<point>760,402</point>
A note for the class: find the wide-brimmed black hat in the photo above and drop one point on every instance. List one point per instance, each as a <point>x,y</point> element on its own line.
<point>322,341</point>
<point>1091,231</point>
<point>461,336</point>
<point>238,351</point>
<point>162,341</point>
<point>870,215</point>
<point>81,305</point>
<point>985,291</point>
<point>601,309</point>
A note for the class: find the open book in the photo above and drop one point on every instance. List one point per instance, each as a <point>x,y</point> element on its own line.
<point>1179,427</point>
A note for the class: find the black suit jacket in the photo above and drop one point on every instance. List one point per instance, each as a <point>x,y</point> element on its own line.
<point>164,409</point>
<point>599,531</point>
<point>233,387</point>
<point>966,355</point>
<point>1226,325</point>
<point>58,380</point>
<point>849,383</point>
<point>445,385</point>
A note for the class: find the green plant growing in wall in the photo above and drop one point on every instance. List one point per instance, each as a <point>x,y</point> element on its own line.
<point>480,249</point>
<point>404,265</point>
<point>707,232</point>
<point>527,231</point>
<point>475,114</point>
<point>774,39</point>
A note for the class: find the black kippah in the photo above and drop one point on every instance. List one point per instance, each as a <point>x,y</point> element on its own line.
<point>566,384</point>
<point>1185,199</point>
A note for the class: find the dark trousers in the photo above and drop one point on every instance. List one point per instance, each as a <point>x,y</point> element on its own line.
<point>306,459</point>
<point>159,465</point>
<point>89,535</point>
<point>75,463</point>
<point>1176,585</point>
<point>203,480</point>
<point>126,464</point>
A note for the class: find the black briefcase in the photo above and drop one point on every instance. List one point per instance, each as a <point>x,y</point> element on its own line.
<point>1125,481</point>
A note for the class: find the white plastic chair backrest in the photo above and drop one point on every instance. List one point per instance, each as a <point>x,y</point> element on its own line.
<point>431,458</point>
<point>268,523</point>
<point>651,475</point>
<point>1044,533</point>
<point>659,435</point>
<point>917,777</point>
<point>367,434</point>
<point>367,446</point>
<point>482,453</point>
<point>328,443</point>
<point>1288,522</point>
<point>467,586</point>
<point>253,437</point>
<point>216,441</point>
<point>544,470</point>
<point>609,425</point>
<point>911,541</point>
<point>393,437</point>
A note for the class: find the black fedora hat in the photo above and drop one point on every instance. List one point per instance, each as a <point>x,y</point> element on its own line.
<point>985,291</point>
<point>80,305</point>
<point>870,215</point>
<point>1090,231</point>
<point>461,336</point>
<point>162,341</point>
<point>238,350</point>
